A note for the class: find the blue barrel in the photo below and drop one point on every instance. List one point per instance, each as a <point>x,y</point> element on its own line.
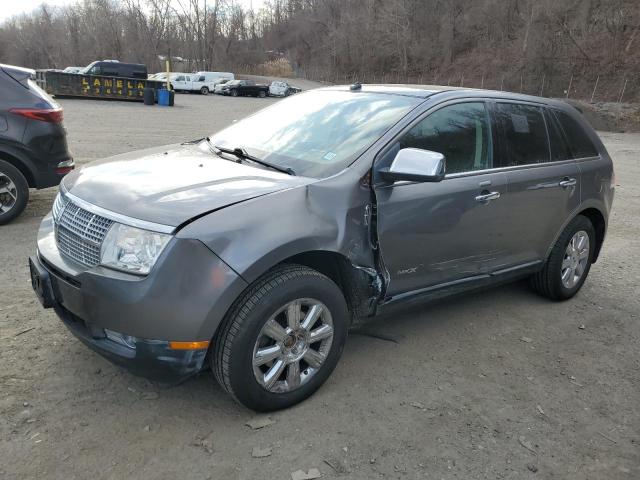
<point>163,97</point>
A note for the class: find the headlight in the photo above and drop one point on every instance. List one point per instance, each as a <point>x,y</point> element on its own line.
<point>132,249</point>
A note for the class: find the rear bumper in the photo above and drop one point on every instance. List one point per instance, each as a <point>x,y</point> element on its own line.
<point>48,178</point>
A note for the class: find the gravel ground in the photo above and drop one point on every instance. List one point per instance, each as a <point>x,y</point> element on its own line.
<point>502,384</point>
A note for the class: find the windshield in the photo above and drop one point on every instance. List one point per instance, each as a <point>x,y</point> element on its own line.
<point>88,67</point>
<point>317,133</point>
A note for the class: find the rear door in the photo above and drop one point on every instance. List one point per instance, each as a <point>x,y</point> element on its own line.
<point>249,88</point>
<point>543,180</point>
<point>435,233</point>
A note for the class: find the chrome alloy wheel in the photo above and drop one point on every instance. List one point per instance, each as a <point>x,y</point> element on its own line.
<point>293,345</point>
<point>8,194</point>
<point>575,259</point>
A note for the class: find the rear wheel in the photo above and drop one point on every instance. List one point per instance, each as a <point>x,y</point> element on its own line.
<point>282,339</point>
<point>14,192</point>
<point>569,262</point>
<point>204,91</point>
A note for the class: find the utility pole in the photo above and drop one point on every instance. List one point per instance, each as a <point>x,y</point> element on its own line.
<point>204,40</point>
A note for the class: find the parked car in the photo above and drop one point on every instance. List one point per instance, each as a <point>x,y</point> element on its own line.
<point>256,248</point>
<point>244,88</point>
<point>218,88</point>
<point>33,142</point>
<point>114,68</point>
<point>282,89</point>
<point>73,69</point>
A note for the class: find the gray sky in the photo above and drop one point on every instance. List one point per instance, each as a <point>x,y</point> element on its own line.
<point>8,8</point>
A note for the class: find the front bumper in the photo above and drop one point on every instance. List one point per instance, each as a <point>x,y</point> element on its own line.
<point>184,298</point>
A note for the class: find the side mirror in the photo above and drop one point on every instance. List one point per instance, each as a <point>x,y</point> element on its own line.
<point>415,165</point>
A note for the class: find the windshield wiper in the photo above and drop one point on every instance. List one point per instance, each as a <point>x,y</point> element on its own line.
<point>242,154</point>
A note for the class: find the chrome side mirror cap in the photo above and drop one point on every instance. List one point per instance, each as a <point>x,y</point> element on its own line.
<point>415,165</point>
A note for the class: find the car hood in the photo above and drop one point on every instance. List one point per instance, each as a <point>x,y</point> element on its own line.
<point>172,184</point>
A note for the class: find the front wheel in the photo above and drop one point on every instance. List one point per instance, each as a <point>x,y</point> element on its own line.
<point>14,192</point>
<point>234,93</point>
<point>569,262</point>
<point>262,94</point>
<point>282,338</point>
<point>204,91</point>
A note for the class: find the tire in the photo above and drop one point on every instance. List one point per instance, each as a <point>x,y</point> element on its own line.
<point>234,93</point>
<point>262,94</point>
<point>204,91</point>
<point>244,326</point>
<point>14,192</point>
<point>549,281</point>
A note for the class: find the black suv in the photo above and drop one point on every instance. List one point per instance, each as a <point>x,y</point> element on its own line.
<point>246,88</point>
<point>114,68</point>
<point>33,142</point>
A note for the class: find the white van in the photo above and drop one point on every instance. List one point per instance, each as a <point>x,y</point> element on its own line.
<point>213,76</point>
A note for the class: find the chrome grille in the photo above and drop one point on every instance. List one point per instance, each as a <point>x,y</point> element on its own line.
<point>79,233</point>
<point>58,206</point>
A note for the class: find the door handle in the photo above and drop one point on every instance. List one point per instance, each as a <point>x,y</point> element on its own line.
<point>567,182</point>
<point>487,197</point>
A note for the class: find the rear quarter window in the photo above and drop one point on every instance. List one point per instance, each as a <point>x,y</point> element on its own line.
<point>579,142</point>
<point>559,147</point>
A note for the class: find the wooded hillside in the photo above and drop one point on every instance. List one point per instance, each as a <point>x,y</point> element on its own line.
<point>530,45</point>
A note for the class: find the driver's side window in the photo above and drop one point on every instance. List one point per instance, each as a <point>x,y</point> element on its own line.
<point>459,131</point>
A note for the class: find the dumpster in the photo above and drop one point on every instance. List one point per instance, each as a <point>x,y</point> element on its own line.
<point>95,86</point>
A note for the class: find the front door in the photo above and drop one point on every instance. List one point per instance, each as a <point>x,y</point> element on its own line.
<point>436,233</point>
<point>179,83</point>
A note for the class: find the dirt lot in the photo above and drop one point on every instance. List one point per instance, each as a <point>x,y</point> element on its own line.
<point>502,384</point>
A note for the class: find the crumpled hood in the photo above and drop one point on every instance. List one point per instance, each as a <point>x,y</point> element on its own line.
<point>172,184</point>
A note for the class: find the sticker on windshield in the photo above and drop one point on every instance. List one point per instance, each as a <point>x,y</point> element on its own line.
<point>329,156</point>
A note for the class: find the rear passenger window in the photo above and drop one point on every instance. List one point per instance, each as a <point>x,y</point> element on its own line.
<point>460,132</point>
<point>524,133</point>
<point>579,143</point>
<point>559,147</point>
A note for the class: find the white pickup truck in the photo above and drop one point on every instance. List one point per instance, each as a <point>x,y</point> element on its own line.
<point>203,82</point>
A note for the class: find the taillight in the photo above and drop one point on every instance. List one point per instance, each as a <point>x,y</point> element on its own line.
<point>51,115</point>
<point>65,167</point>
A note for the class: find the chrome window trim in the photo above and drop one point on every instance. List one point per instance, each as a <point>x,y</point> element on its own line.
<point>119,218</point>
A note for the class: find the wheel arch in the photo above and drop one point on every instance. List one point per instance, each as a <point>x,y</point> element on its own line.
<point>20,164</point>
<point>599,224</point>
<point>595,213</point>
<point>356,283</point>
<point>359,285</point>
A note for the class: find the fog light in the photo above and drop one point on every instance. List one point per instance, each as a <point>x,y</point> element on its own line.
<point>124,340</point>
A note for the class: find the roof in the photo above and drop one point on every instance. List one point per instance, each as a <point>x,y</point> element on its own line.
<point>426,91</point>
<point>420,91</point>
